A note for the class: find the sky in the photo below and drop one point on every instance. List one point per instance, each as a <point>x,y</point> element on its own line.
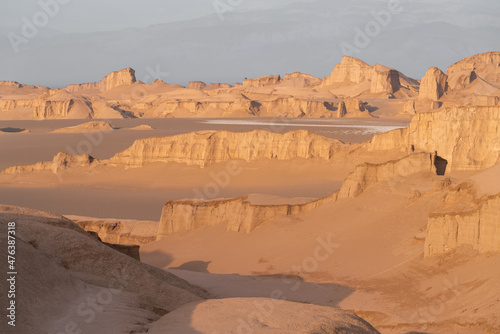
<point>58,42</point>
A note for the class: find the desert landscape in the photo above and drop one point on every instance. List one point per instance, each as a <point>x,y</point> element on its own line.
<point>365,201</point>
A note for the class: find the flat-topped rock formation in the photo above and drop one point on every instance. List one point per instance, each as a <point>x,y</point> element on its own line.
<point>239,214</point>
<point>477,226</point>
<point>210,147</point>
<point>468,138</point>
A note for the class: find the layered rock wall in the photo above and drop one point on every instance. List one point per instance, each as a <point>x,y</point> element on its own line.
<point>479,228</point>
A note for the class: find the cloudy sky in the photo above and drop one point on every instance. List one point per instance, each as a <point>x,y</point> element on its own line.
<point>58,42</point>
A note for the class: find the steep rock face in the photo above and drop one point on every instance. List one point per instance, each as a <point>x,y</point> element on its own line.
<point>367,175</point>
<point>11,104</point>
<point>434,84</point>
<point>267,80</point>
<point>479,228</point>
<point>479,63</point>
<point>206,148</point>
<point>59,109</point>
<point>110,81</point>
<point>200,85</point>
<point>118,78</point>
<point>384,80</point>
<point>350,69</point>
<point>238,214</point>
<point>468,138</point>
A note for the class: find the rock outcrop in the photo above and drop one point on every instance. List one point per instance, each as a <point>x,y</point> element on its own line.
<point>60,162</point>
<point>367,175</point>
<point>200,85</point>
<point>350,69</point>
<point>86,127</point>
<point>110,81</point>
<point>384,80</point>
<point>264,81</point>
<point>238,214</point>
<point>210,147</point>
<point>434,85</point>
<point>244,107</point>
<point>478,227</point>
<point>468,138</point>
<point>354,71</point>
<point>119,231</point>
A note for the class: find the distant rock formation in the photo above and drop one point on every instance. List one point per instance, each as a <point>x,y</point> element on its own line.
<point>384,80</point>
<point>86,127</point>
<point>264,81</point>
<point>110,81</point>
<point>381,79</point>
<point>200,85</point>
<point>434,84</point>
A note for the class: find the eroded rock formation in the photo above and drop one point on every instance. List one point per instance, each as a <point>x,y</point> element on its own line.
<point>468,138</point>
<point>478,227</point>
<point>434,84</point>
<point>210,147</point>
<point>367,175</point>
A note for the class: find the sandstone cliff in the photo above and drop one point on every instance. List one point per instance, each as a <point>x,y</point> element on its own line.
<point>382,81</point>
<point>478,227</point>
<point>468,138</point>
<point>209,147</point>
<point>434,84</point>
<point>367,175</point>
<point>238,214</point>
<point>110,81</point>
